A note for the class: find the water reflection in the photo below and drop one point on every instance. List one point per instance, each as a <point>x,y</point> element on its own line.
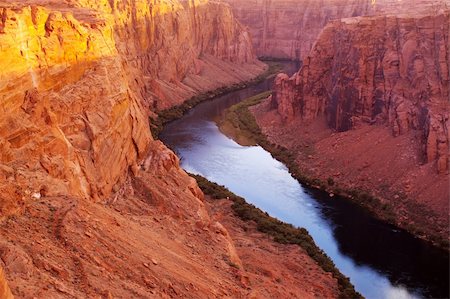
<point>382,262</point>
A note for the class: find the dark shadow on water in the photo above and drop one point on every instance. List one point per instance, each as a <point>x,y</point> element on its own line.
<point>405,259</point>
<point>393,253</point>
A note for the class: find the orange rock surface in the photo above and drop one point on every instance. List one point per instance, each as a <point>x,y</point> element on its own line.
<point>5,292</point>
<point>289,28</point>
<point>153,238</point>
<point>90,205</point>
<point>80,77</point>
<point>370,109</point>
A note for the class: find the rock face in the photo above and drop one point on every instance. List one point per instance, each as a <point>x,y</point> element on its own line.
<point>5,292</point>
<point>90,205</point>
<point>154,237</point>
<point>289,28</point>
<point>79,78</point>
<point>383,70</point>
<point>369,112</point>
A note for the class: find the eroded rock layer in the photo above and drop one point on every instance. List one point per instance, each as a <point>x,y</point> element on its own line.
<point>385,70</point>
<point>153,238</point>
<point>369,111</point>
<point>90,205</point>
<point>289,28</point>
<point>79,78</point>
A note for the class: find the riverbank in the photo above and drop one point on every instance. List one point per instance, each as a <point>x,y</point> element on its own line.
<point>279,232</point>
<point>375,255</point>
<point>240,124</point>
<point>167,115</point>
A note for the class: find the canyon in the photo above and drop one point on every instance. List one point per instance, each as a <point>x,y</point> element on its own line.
<point>90,204</point>
<point>58,57</point>
<point>156,237</point>
<point>369,110</point>
<point>288,29</point>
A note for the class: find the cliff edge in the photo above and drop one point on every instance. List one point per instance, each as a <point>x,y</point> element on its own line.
<point>80,78</point>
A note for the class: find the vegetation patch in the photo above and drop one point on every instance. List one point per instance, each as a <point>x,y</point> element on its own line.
<point>243,122</point>
<point>281,232</point>
<point>176,112</point>
<point>237,121</point>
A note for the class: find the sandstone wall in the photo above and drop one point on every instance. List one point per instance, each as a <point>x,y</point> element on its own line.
<point>384,70</point>
<point>289,28</point>
<point>78,78</point>
<point>154,238</point>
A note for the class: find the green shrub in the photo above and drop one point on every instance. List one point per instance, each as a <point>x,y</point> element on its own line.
<point>176,112</point>
<point>281,232</point>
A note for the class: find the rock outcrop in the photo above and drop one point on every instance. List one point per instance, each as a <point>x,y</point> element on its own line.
<point>79,79</point>
<point>154,237</point>
<point>384,70</point>
<point>288,28</point>
<point>369,112</point>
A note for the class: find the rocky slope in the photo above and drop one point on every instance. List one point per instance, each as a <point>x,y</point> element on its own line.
<point>289,28</point>
<point>370,109</point>
<point>153,238</point>
<point>90,205</point>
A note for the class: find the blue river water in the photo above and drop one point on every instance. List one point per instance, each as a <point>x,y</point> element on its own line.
<point>380,260</point>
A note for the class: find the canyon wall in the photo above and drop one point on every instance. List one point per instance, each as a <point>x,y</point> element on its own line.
<point>288,28</point>
<point>90,205</point>
<point>384,70</point>
<point>79,79</point>
<point>368,112</point>
<point>154,238</point>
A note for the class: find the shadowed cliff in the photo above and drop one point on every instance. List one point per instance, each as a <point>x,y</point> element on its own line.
<point>369,111</point>
<point>289,28</point>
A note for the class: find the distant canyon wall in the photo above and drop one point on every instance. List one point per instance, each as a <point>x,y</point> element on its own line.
<point>289,28</point>
<point>377,70</point>
<point>79,78</point>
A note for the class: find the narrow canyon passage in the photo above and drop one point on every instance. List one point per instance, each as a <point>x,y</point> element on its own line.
<point>381,261</point>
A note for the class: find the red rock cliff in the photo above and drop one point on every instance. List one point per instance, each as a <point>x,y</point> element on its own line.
<point>386,70</point>
<point>78,79</point>
<point>289,28</point>
<point>90,205</point>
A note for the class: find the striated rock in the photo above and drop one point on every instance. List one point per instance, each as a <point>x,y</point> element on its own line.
<point>80,77</point>
<point>100,209</point>
<point>94,198</point>
<point>289,28</point>
<point>385,70</point>
<point>152,238</point>
<point>368,111</point>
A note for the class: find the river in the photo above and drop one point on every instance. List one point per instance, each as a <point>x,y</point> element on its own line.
<point>381,261</point>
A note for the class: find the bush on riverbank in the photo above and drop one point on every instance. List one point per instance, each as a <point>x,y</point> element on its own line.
<point>175,112</point>
<point>238,121</point>
<point>281,232</point>
<point>244,123</point>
